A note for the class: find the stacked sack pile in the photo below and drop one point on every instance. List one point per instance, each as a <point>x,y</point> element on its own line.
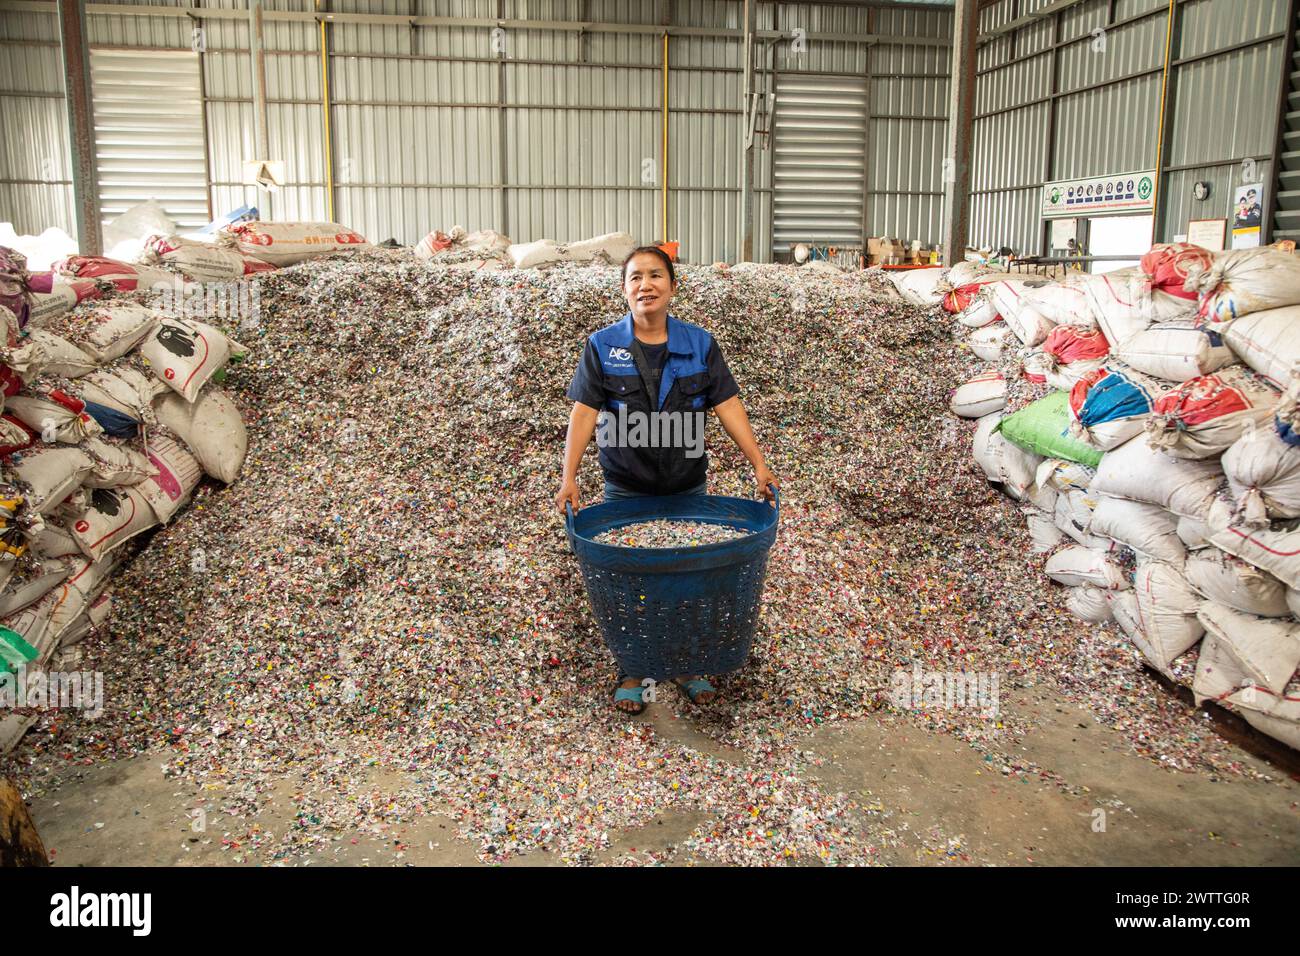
<point>1148,421</point>
<point>110,417</point>
<point>488,249</point>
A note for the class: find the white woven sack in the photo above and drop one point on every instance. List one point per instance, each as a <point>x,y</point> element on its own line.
<point>1175,351</point>
<point>1166,607</point>
<point>1275,549</point>
<point>1089,603</point>
<point>1003,462</point>
<point>1264,477</point>
<point>989,342</point>
<point>1077,565</point>
<point>1227,580</point>
<point>982,395</point>
<point>1136,470</point>
<point>1269,342</point>
<point>1124,304</point>
<point>1146,528</point>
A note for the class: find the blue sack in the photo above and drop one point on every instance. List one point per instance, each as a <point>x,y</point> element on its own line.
<point>115,423</point>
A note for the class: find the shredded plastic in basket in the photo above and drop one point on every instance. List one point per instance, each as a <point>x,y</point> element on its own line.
<point>668,534</point>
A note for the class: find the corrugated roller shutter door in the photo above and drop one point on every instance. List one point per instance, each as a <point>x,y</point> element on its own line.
<point>149,133</point>
<point>817,175</point>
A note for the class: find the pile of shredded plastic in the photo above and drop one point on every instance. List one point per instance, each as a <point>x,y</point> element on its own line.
<point>668,534</point>
<point>389,585</point>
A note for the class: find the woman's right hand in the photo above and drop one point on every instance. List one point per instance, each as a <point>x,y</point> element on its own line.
<point>568,492</point>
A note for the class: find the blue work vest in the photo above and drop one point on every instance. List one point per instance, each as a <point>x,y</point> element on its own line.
<point>683,387</point>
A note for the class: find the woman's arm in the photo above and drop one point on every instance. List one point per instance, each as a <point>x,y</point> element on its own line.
<point>732,415</point>
<point>582,423</point>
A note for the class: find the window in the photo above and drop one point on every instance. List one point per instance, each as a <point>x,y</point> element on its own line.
<point>149,133</point>
<point>817,173</point>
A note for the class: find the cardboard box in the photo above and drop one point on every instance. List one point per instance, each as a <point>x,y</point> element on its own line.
<point>882,251</point>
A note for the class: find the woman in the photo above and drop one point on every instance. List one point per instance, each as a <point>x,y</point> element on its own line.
<point>650,368</point>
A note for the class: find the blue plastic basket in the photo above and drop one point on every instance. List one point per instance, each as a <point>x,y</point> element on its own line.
<point>666,612</point>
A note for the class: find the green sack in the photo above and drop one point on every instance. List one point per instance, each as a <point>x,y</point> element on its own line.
<point>1044,429</point>
<point>15,653</point>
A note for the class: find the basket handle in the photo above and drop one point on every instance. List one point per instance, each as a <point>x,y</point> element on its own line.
<point>568,515</point>
<point>776,494</point>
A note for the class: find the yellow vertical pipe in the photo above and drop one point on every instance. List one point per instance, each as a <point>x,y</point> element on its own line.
<point>325,115</point>
<point>1160,130</point>
<point>664,151</point>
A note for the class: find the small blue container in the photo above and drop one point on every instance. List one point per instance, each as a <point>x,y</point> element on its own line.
<point>666,612</point>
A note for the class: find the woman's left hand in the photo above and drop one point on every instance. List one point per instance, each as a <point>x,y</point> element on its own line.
<point>763,477</point>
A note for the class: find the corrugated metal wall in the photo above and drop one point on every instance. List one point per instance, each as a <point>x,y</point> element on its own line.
<point>1091,107</point>
<point>560,137</point>
<point>35,169</point>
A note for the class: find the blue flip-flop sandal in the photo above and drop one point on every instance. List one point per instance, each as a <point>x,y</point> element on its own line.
<point>634,694</point>
<point>695,687</point>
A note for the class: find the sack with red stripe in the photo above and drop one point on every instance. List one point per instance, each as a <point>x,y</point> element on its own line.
<point>287,243</point>
<point>1124,303</point>
<point>115,516</point>
<point>1164,609</point>
<point>1251,652</point>
<point>56,416</point>
<point>185,354</point>
<point>53,295</point>
<point>202,261</point>
<point>1268,341</point>
<point>982,395</point>
<point>1071,352</point>
<point>1010,298</point>
<point>1202,417</point>
<point>1065,302</point>
<point>1248,280</point>
<point>1275,549</point>
<point>1230,673</point>
<point>123,276</point>
<point>1170,265</point>
<point>1220,577</point>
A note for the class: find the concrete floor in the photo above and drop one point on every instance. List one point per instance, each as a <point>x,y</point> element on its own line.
<point>939,800</point>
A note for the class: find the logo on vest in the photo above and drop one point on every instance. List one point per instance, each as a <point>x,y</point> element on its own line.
<point>623,355</point>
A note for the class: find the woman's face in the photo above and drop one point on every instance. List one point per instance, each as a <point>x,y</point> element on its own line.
<point>646,285</point>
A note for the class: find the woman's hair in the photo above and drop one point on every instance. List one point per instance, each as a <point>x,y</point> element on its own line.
<point>654,251</point>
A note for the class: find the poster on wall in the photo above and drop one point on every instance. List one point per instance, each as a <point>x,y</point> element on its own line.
<point>1206,233</point>
<point>1132,193</point>
<point>1247,215</point>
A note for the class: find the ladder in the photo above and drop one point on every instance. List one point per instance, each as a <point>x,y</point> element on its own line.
<point>1286,187</point>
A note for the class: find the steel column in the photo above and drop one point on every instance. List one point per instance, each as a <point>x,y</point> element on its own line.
<point>956,187</point>
<point>745,252</point>
<point>261,134</point>
<point>81,126</point>
<point>1167,97</point>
